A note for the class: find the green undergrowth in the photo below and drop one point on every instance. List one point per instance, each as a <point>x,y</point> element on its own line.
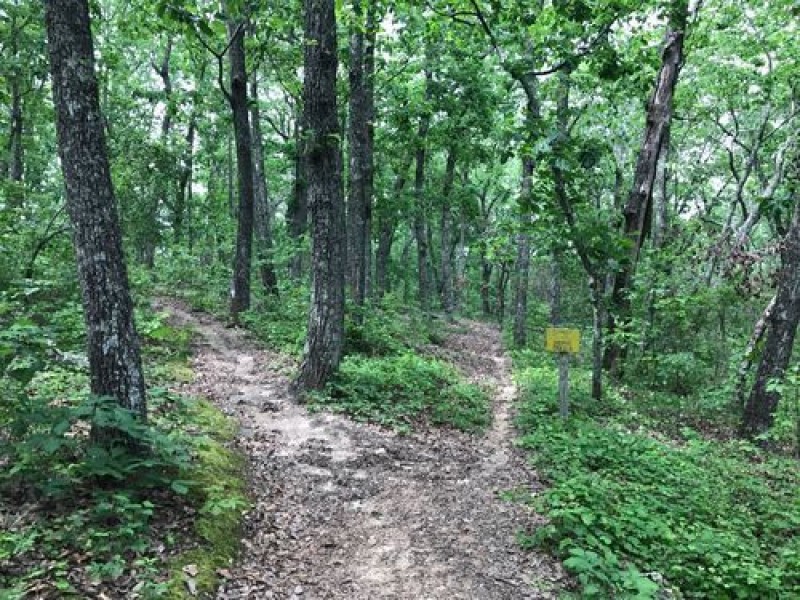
<point>80,515</point>
<point>403,392</point>
<point>633,512</point>
<point>217,487</point>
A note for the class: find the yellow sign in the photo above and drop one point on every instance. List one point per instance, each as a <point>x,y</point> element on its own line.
<point>560,339</point>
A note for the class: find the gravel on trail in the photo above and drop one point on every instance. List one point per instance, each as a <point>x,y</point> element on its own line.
<point>350,510</point>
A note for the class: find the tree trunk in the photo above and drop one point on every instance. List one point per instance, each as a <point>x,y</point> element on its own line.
<point>297,208</point>
<point>16,164</point>
<point>555,288</point>
<point>182,198</point>
<point>151,225</point>
<point>325,340</point>
<point>638,209</point>
<point>486,281</point>
<point>383,253</point>
<point>532,116</point>
<point>115,368</point>
<point>240,285</point>
<point>420,234</point>
<point>749,352</point>
<point>661,196</point>
<point>460,262</point>
<point>386,227</point>
<point>502,284</point>
<point>592,270</point>
<point>448,300</point>
<point>759,411</point>
<point>359,203</point>
<point>523,266</point>
<point>261,211</point>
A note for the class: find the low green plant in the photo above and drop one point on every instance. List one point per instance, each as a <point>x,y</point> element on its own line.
<point>281,322</point>
<point>99,499</point>
<point>632,513</point>
<point>404,391</point>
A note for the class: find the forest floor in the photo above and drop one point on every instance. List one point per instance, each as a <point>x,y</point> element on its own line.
<point>349,510</point>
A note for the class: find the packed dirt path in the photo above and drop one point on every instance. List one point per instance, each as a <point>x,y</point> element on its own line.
<point>348,510</point>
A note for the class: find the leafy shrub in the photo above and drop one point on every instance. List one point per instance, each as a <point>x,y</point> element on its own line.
<point>383,330</point>
<point>96,500</point>
<point>403,391</point>
<point>281,322</point>
<point>627,510</point>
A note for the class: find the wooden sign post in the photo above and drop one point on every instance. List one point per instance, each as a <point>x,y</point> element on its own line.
<point>563,342</point>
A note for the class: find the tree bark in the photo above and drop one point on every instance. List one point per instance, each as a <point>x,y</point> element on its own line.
<point>638,209</point>
<point>386,228</point>
<point>325,340</point>
<point>759,411</point>
<point>151,234</point>
<point>15,148</point>
<point>448,299</point>
<point>532,115</point>
<point>184,193</point>
<point>523,265</point>
<point>297,208</point>
<point>420,205</point>
<point>359,202</point>
<point>460,262</point>
<point>749,352</point>
<point>115,368</point>
<point>240,285</point>
<point>486,282</point>
<point>261,212</point>
<point>15,167</point>
<point>502,283</point>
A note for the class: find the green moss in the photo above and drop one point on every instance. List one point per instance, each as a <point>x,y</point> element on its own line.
<point>220,491</point>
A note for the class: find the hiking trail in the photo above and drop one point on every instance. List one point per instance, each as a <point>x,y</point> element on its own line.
<point>349,510</point>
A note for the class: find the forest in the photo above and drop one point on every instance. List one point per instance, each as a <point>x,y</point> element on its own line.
<point>276,281</point>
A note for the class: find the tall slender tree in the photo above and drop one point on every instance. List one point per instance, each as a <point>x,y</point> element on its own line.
<point>638,209</point>
<point>359,202</point>
<point>448,295</point>
<point>262,211</point>
<point>113,347</point>
<point>240,286</point>
<point>325,339</point>
<point>420,205</point>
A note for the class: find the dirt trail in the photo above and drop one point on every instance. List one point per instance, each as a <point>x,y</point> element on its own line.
<point>348,510</point>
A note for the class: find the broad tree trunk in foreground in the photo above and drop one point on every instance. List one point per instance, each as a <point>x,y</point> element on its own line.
<point>323,348</point>
<point>759,411</point>
<point>113,347</point>
<point>240,285</point>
